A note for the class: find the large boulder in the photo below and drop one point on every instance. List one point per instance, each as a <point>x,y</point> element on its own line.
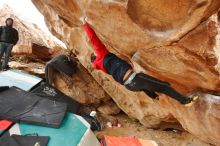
<point>173,40</point>
<point>81,87</point>
<point>37,44</point>
<point>32,40</point>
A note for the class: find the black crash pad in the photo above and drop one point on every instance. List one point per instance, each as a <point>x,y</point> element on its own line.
<point>47,91</point>
<point>18,140</point>
<point>62,64</point>
<point>20,106</point>
<point>3,88</point>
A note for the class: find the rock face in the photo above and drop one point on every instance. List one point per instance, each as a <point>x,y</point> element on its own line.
<point>37,44</point>
<point>174,40</point>
<point>109,108</point>
<point>32,40</point>
<point>81,86</point>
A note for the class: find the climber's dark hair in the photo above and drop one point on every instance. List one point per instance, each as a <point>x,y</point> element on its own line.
<point>93,57</point>
<point>9,19</point>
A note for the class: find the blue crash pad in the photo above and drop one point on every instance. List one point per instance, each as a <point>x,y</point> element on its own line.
<point>18,79</point>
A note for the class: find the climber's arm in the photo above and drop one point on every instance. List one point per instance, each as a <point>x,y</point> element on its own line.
<point>99,47</point>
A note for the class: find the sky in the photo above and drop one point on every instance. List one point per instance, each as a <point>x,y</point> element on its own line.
<point>27,9</point>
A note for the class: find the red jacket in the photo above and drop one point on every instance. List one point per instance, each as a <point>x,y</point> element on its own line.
<point>99,48</point>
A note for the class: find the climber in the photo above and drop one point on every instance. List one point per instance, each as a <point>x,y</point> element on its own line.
<point>122,71</point>
<point>8,38</point>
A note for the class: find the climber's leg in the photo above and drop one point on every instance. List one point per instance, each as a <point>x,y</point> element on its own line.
<point>152,95</point>
<point>142,82</point>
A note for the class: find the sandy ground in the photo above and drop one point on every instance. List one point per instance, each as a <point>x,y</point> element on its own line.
<point>164,136</point>
<point>32,66</point>
<point>133,128</point>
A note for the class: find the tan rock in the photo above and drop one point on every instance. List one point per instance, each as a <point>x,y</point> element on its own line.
<point>32,40</point>
<point>204,41</point>
<point>110,108</point>
<point>81,87</point>
<point>32,68</point>
<point>161,38</point>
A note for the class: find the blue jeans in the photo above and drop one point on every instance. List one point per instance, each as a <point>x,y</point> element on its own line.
<point>5,48</point>
<point>116,67</point>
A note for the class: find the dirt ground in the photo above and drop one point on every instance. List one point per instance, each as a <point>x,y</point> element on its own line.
<point>164,136</point>
<point>30,65</point>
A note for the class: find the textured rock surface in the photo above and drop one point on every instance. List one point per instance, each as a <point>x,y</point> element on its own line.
<point>174,40</point>
<point>32,67</point>
<point>32,40</point>
<point>35,43</point>
<point>110,108</point>
<point>81,86</point>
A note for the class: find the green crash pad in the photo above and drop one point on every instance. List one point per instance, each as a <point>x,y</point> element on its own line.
<point>70,133</point>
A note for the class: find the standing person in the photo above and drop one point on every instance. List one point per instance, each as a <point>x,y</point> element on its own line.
<point>122,72</point>
<point>8,38</point>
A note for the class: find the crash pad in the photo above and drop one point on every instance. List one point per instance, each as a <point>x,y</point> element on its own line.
<point>60,63</point>
<point>4,125</point>
<point>47,91</point>
<point>20,106</point>
<point>18,79</point>
<point>126,141</point>
<point>74,131</point>
<point>3,88</point>
<point>18,140</point>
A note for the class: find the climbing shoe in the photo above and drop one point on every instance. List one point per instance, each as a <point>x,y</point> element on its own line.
<point>5,68</point>
<point>191,100</point>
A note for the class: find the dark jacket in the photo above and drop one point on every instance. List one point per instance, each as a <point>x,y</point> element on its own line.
<point>8,35</point>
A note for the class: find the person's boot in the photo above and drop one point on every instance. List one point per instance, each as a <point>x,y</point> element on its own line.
<point>6,68</point>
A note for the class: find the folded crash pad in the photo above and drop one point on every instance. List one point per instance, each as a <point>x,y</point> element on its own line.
<point>18,140</point>
<point>4,124</point>
<point>61,63</point>
<point>19,79</point>
<point>47,91</point>
<point>20,106</point>
<point>126,141</point>
<point>74,131</point>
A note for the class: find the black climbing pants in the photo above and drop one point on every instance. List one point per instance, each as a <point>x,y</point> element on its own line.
<point>150,85</point>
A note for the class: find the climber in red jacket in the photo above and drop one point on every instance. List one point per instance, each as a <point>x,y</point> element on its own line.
<point>122,71</point>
